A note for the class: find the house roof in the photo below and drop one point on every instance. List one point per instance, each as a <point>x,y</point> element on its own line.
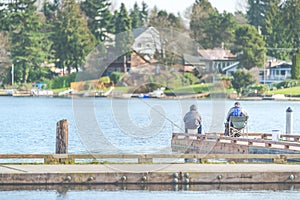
<point>216,54</point>
<point>141,56</point>
<point>193,60</point>
<point>138,31</point>
<point>281,64</point>
<point>232,66</point>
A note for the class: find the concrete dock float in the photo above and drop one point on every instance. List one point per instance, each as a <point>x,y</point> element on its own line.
<point>187,173</point>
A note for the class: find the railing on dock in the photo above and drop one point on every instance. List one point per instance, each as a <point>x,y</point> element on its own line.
<point>258,147</point>
<point>263,136</point>
<point>286,142</point>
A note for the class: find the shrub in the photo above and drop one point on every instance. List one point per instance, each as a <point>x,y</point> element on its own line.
<point>287,84</point>
<point>259,88</point>
<point>191,78</point>
<point>116,76</point>
<point>105,79</point>
<point>63,81</point>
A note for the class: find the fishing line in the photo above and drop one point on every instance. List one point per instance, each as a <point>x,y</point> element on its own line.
<point>161,114</point>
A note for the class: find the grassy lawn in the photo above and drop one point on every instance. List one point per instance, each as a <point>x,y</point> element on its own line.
<point>197,88</point>
<point>295,91</point>
<point>60,90</point>
<point>122,89</point>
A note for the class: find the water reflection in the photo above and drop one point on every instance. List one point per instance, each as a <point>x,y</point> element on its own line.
<point>62,190</point>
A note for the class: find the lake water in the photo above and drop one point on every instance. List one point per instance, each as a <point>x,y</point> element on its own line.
<point>28,125</point>
<point>216,193</point>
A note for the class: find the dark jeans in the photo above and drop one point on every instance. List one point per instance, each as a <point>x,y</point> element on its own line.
<point>200,129</point>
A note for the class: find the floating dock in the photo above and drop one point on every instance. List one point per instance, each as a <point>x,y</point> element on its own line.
<point>285,154</point>
<point>188,173</point>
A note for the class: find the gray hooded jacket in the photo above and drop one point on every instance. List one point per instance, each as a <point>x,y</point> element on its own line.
<point>192,119</point>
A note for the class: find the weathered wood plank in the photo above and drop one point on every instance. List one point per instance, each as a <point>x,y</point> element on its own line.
<point>148,157</point>
<point>177,174</point>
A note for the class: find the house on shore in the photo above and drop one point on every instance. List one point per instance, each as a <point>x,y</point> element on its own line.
<point>133,61</point>
<point>276,71</point>
<point>192,62</point>
<point>216,60</point>
<point>146,43</point>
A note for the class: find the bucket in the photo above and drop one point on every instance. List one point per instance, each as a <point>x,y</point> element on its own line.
<point>276,135</point>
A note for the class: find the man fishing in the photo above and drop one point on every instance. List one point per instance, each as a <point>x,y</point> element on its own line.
<point>192,120</point>
<point>236,110</point>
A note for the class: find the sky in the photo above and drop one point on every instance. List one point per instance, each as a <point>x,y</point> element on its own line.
<point>176,6</point>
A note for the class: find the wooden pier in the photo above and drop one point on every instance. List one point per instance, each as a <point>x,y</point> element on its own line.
<point>148,169</point>
<point>149,174</point>
<point>144,170</point>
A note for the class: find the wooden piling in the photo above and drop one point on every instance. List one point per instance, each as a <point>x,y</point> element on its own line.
<point>62,137</point>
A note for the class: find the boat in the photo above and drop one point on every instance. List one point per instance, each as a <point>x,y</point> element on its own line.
<point>158,93</point>
<point>38,90</point>
<point>275,97</point>
<point>66,92</point>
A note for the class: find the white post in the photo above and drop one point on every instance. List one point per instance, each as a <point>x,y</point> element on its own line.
<point>289,121</point>
<point>12,75</point>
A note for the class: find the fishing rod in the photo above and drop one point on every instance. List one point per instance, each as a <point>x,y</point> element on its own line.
<point>173,123</point>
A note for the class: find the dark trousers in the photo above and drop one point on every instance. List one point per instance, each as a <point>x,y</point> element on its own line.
<point>200,129</point>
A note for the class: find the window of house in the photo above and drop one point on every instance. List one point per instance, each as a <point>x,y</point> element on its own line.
<point>282,73</point>
<point>139,45</point>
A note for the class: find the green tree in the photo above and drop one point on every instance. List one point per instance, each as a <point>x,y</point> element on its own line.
<point>163,19</point>
<point>124,36</point>
<point>257,12</point>
<point>250,46</point>
<point>278,22</point>
<point>272,30</point>
<point>200,13</point>
<point>99,18</point>
<point>50,9</point>
<point>72,40</point>
<point>241,79</point>
<point>4,17</point>
<point>218,30</point>
<point>136,18</point>
<point>144,13</point>
<point>5,60</point>
<point>296,65</point>
<point>290,25</point>
<point>28,40</point>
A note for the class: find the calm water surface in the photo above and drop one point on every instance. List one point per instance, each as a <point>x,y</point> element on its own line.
<point>28,125</point>
<point>149,195</point>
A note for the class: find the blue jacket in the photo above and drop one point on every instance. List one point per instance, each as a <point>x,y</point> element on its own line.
<point>236,111</point>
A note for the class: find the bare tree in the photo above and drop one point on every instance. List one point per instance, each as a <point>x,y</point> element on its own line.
<point>241,6</point>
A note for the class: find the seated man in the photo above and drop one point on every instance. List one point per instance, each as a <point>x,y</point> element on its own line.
<point>192,120</point>
<point>234,111</point>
